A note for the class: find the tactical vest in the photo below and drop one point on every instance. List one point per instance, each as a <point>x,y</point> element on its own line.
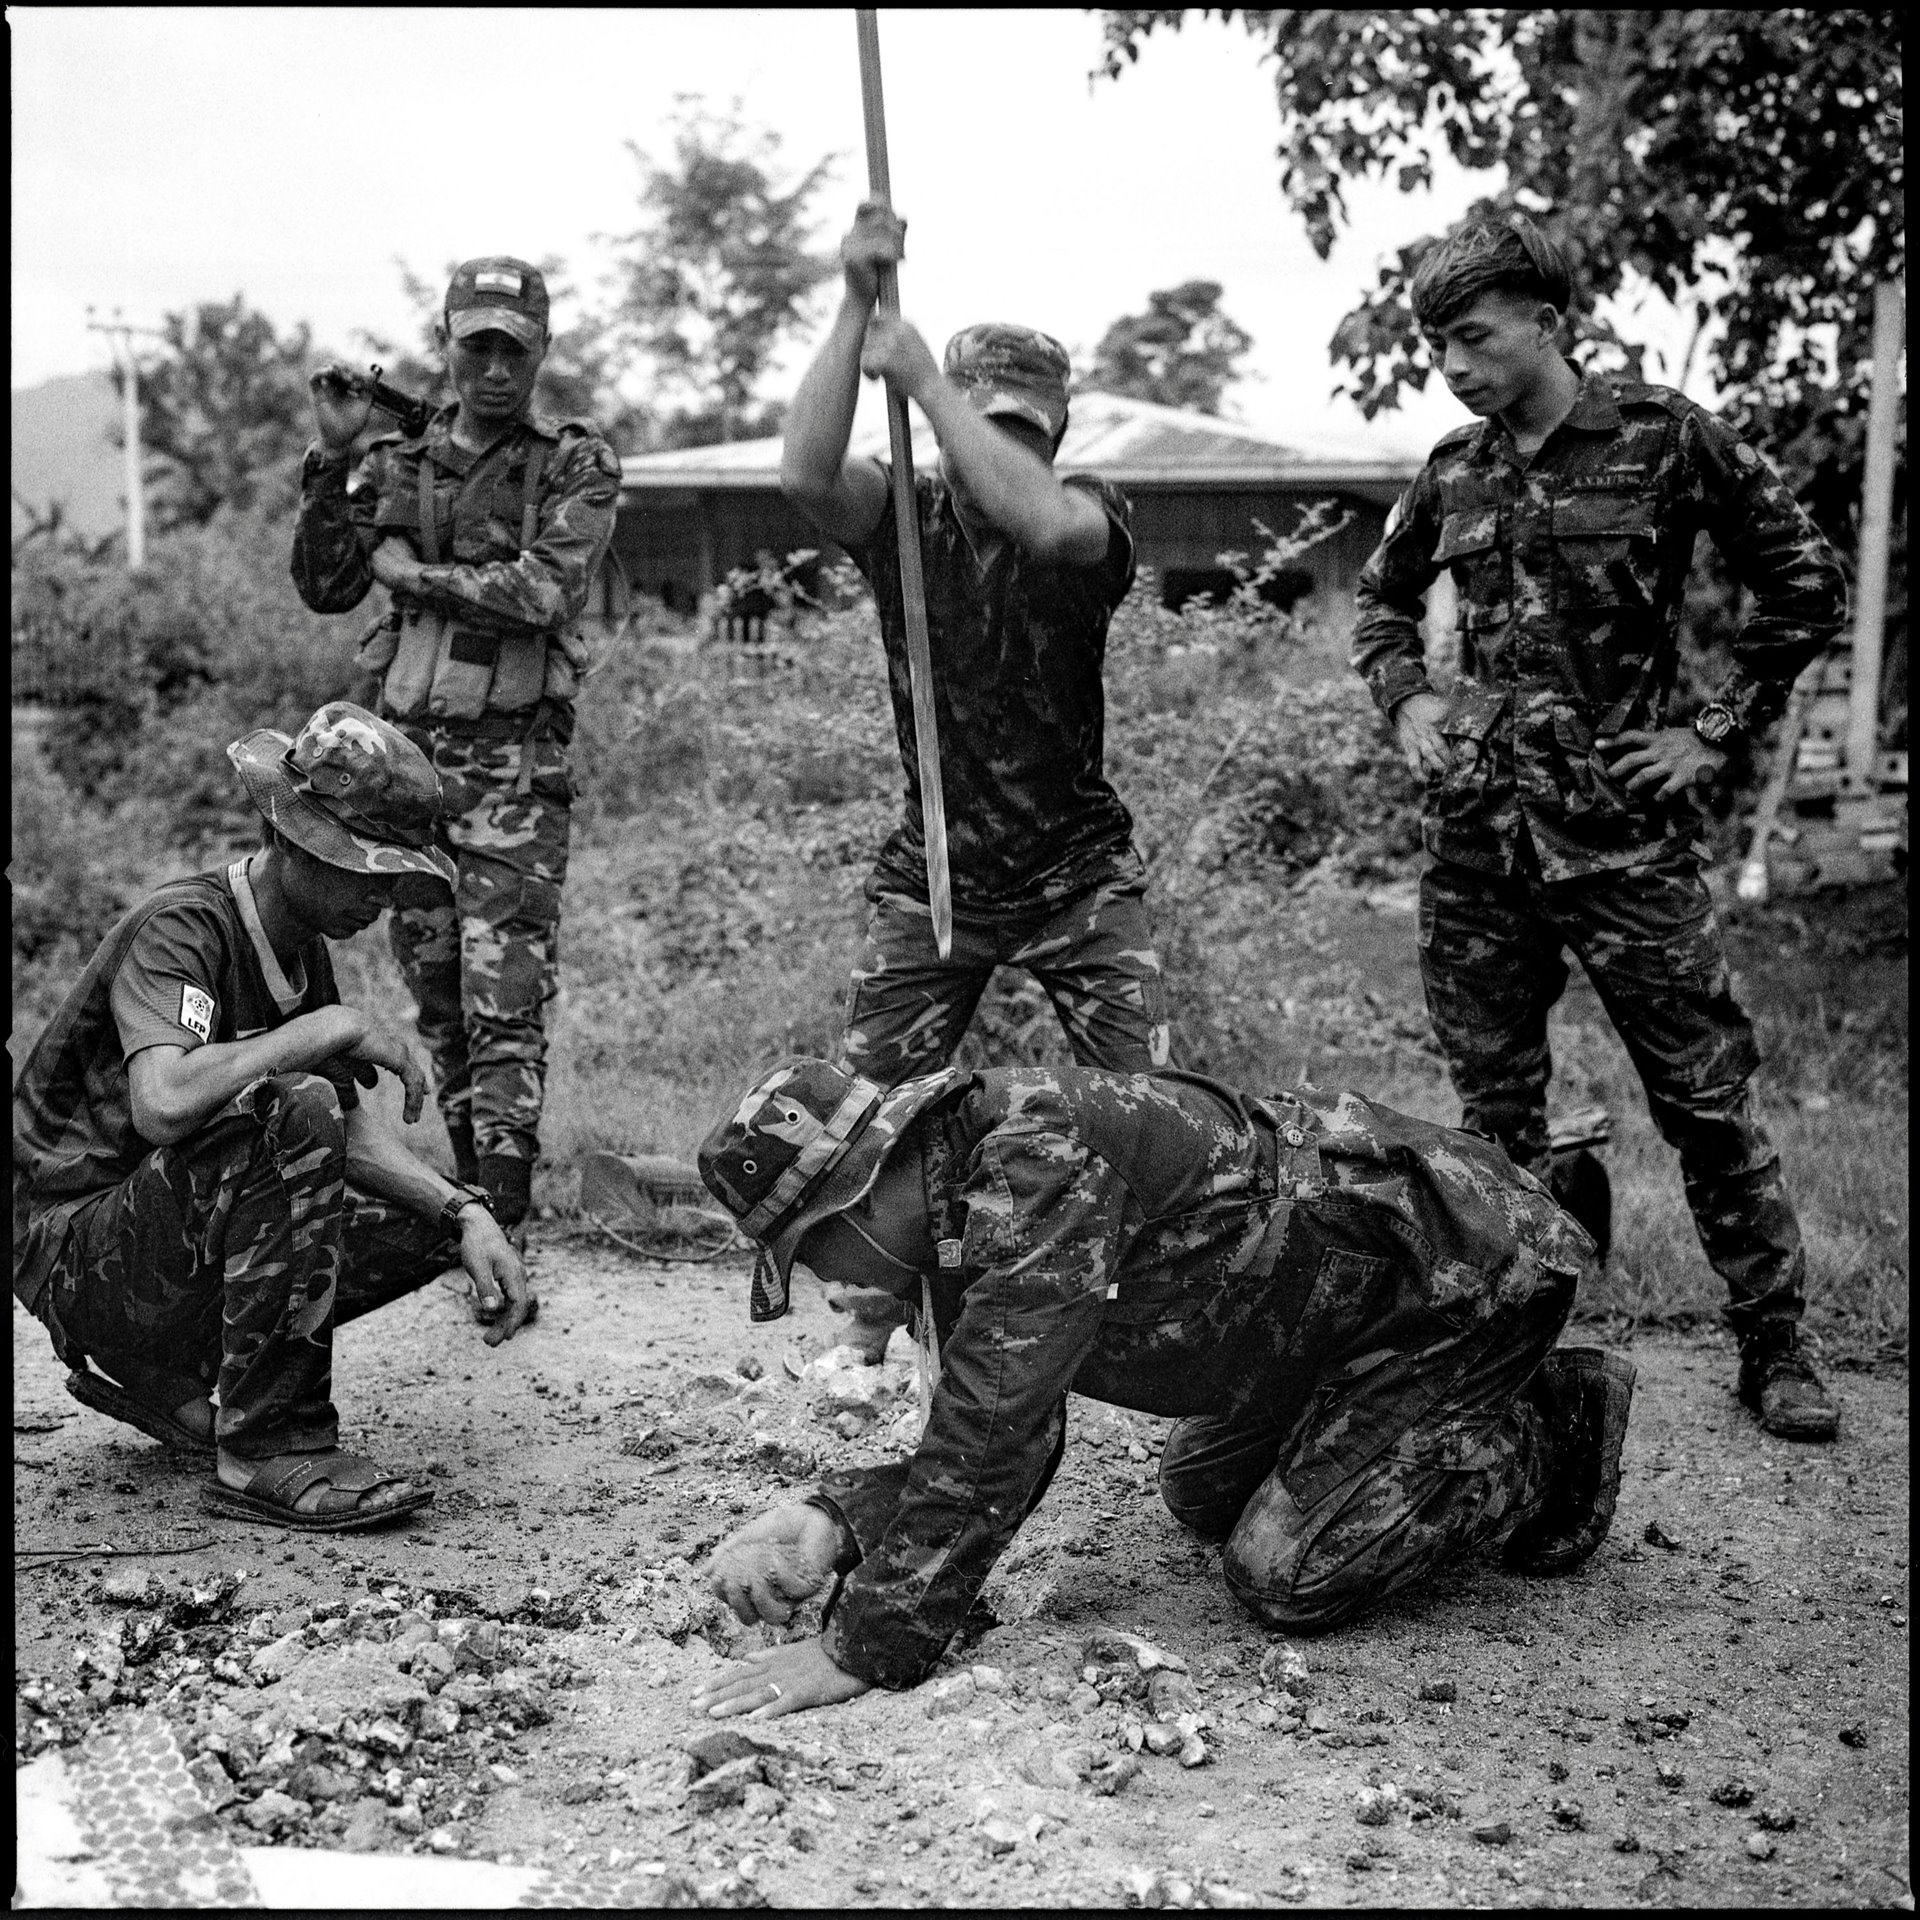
<point>434,666</point>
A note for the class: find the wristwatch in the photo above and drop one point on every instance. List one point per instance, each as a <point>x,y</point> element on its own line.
<point>1716,723</point>
<point>464,1197</point>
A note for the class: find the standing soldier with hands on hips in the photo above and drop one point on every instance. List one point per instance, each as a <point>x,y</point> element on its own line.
<point>1023,572</point>
<point>1559,810</point>
<point>487,529</point>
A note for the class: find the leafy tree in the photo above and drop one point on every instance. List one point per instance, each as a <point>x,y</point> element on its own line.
<point>222,409</point>
<point>719,271</point>
<point>579,379</point>
<point>1180,352</point>
<point>1748,164</point>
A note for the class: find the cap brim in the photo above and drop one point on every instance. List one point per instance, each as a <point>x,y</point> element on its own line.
<point>852,1178</point>
<point>1001,403</point>
<point>261,761</point>
<point>471,320</point>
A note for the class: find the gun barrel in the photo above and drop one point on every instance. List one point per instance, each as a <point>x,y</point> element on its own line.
<point>412,413</point>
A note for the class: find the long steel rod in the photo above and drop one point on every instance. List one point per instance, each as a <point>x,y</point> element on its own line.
<point>906,518</point>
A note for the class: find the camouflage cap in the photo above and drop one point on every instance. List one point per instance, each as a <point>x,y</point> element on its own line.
<point>1015,371</point>
<point>806,1141</point>
<point>498,294</point>
<point>351,790</point>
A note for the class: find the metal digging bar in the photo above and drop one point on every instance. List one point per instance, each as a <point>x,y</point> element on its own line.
<point>906,520</point>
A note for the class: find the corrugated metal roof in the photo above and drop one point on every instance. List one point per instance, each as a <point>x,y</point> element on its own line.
<point>1131,442</point>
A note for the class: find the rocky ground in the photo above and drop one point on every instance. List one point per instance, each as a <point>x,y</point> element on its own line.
<point>1713,1713</point>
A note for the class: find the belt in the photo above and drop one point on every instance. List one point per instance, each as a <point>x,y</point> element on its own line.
<point>545,721</point>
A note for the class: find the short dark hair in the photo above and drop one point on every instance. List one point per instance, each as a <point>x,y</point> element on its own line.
<point>1508,255</point>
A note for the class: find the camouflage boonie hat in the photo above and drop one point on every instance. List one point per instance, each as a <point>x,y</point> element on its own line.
<point>351,790</point>
<point>806,1141</point>
<point>1016,371</point>
<point>498,294</point>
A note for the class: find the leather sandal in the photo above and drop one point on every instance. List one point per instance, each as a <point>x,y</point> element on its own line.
<point>275,1487</point>
<point>107,1396</point>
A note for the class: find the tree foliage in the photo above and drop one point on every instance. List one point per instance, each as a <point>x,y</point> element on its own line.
<point>719,271</point>
<point>1181,352</point>
<point>224,405</point>
<point>1748,164</point>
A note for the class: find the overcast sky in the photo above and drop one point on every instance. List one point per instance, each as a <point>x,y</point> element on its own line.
<point>163,156</point>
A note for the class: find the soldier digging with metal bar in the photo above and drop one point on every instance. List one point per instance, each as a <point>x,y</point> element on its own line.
<point>487,529</point>
<point>1352,1313</point>
<point>1559,811</point>
<point>199,1195</point>
<point>1023,572</point>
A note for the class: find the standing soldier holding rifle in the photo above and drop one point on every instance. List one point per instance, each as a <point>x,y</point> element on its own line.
<point>487,526</point>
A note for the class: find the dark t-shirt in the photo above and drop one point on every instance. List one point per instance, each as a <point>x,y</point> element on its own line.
<point>1017,654</point>
<point>177,970</point>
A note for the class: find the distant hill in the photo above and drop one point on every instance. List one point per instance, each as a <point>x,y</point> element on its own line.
<point>63,450</point>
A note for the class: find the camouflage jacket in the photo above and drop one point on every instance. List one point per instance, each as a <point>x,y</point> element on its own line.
<point>1570,570</point>
<point>484,575</point>
<point>1017,652</point>
<point>1158,1242</point>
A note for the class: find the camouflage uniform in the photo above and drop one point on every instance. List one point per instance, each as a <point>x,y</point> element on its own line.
<point>228,1259</point>
<point>1344,1306</point>
<point>1570,569</point>
<point>481,962</point>
<point>1044,871</point>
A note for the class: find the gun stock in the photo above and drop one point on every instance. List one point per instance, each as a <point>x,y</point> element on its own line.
<point>412,414</point>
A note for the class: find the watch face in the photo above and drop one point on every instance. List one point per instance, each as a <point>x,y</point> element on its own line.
<point>1713,724</point>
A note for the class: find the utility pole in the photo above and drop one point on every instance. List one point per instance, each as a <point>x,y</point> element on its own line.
<point>1876,518</point>
<point>121,333</point>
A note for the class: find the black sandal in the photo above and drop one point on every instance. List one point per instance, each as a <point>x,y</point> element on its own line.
<point>105,1396</point>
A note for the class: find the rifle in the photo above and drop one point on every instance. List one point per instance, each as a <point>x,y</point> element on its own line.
<point>411,414</point>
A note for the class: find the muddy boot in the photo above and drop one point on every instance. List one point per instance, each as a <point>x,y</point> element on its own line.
<point>1779,1385</point>
<point>1587,1394</point>
<point>1579,1182</point>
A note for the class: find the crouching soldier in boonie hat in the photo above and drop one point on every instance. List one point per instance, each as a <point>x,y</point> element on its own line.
<point>199,1196</point>
<point>1353,1314</point>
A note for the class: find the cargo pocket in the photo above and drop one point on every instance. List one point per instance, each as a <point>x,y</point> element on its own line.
<point>1468,729</point>
<point>1603,547</point>
<point>1588,790</point>
<point>379,644</point>
<point>1470,549</point>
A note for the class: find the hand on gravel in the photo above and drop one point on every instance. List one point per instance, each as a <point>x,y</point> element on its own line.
<point>779,1680</point>
<point>773,1563</point>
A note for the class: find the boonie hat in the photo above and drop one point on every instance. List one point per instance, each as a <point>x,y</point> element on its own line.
<point>1015,371</point>
<point>807,1141</point>
<point>498,294</point>
<point>351,790</point>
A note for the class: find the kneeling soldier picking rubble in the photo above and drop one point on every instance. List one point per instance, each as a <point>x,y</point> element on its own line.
<point>199,1196</point>
<point>1559,811</point>
<point>1352,1313</point>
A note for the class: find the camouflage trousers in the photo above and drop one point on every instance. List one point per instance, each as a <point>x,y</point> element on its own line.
<point>229,1258</point>
<point>1419,1441</point>
<point>907,1009</point>
<point>1491,953</point>
<point>483,961</point>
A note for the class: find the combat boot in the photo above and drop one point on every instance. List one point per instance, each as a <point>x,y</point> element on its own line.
<point>466,1160</point>
<point>1777,1382</point>
<point>1587,1395</point>
<point>509,1188</point>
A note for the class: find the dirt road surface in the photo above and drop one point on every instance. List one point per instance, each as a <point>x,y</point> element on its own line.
<point>1713,1713</point>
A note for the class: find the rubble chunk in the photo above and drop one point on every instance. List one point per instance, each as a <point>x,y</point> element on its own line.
<point>1285,1667</point>
<point>953,1695</point>
<point>1442,1690</point>
<point>277,1658</point>
<point>275,1810</point>
<point>726,1785</point>
<point>1112,1646</point>
<point>133,1587</point>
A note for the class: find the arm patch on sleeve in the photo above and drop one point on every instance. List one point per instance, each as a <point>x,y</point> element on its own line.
<point>196,1011</point>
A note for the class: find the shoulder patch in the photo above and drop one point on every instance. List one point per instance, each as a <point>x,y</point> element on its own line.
<point>196,1011</point>
<point>607,461</point>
